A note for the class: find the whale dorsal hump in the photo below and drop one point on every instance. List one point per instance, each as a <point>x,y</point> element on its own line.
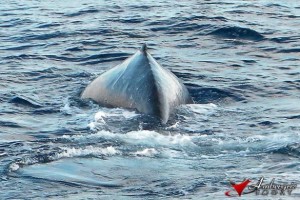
<point>139,83</point>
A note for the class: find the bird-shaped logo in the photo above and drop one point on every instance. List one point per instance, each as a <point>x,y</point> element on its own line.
<point>239,188</point>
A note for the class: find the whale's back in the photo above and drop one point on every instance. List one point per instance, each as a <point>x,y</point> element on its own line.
<point>140,83</point>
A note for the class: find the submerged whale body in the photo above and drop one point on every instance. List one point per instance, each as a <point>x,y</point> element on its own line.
<point>139,83</point>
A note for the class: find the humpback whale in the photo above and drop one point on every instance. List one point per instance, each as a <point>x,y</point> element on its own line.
<point>139,83</point>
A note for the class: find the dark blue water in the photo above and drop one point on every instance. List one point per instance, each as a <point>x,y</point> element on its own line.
<point>239,59</point>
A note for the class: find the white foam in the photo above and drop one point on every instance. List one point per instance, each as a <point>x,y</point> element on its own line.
<point>170,153</point>
<point>89,150</point>
<point>111,113</point>
<point>165,145</point>
<point>201,108</point>
<point>66,109</point>
<point>100,115</point>
<point>269,142</point>
<point>92,126</point>
<point>68,152</point>
<point>26,161</point>
<point>173,126</point>
<point>115,112</point>
<point>148,152</point>
<point>98,121</point>
<point>154,138</point>
<point>276,141</point>
<point>129,114</point>
<point>14,167</point>
<point>142,137</point>
<point>81,137</point>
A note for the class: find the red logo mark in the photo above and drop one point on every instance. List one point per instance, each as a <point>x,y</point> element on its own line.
<point>239,188</point>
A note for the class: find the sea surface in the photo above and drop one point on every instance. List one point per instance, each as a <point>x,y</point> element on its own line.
<point>239,59</point>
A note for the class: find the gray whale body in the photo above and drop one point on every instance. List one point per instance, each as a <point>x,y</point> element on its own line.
<point>139,83</point>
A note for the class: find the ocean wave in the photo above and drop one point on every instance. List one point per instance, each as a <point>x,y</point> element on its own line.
<point>292,50</point>
<point>63,152</point>
<point>90,10</point>
<point>91,59</point>
<point>206,95</point>
<point>285,39</point>
<point>10,124</point>
<point>48,25</point>
<point>25,101</point>
<point>182,27</point>
<point>289,149</point>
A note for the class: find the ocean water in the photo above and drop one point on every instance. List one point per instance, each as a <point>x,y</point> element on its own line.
<point>239,59</point>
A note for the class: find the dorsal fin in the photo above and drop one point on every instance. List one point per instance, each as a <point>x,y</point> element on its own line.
<point>144,48</point>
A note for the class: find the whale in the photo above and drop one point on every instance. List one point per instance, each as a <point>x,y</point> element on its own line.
<point>139,83</point>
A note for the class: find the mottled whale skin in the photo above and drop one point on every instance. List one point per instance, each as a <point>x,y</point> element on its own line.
<point>139,83</point>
